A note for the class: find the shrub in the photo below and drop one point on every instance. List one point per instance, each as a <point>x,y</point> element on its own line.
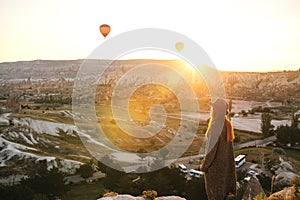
<point>237,138</point>
<point>149,194</point>
<point>266,126</point>
<point>109,194</point>
<point>260,197</point>
<point>85,170</point>
<point>278,151</point>
<point>231,114</point>
<point>296,181</point>
<point>244,113</point>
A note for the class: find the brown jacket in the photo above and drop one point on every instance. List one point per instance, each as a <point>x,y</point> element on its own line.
<point>219,168</point>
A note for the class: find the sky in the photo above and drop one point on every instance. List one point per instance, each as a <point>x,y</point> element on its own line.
<point>248,35</point>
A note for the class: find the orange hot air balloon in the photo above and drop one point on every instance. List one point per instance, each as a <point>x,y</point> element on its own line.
<point>104,29</point>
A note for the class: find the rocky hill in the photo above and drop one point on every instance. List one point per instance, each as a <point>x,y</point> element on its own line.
<point>26,141</point>
<point>39,69</point>
<point>263,86</point>
<point>284,85</point>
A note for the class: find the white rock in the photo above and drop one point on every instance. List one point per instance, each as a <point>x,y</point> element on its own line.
<point>284,178</point>
<point>129,197</point>
<point>121,197</point>
<point>287,166</point>
<point>170,198</point>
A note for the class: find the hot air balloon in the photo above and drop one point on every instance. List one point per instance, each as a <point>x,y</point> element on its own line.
<point>179,46</point>
<point>104,29</point>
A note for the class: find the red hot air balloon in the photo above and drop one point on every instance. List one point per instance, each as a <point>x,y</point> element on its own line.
<point>104,29</point>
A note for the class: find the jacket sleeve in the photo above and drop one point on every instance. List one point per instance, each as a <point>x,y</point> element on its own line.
<point>210,156</point>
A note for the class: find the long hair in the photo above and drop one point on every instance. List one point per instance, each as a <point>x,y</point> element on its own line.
<point>217,120</point>
<point>230,131</point>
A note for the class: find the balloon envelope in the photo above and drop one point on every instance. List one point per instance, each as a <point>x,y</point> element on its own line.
<point>179,46</point>
<point>104,29</point>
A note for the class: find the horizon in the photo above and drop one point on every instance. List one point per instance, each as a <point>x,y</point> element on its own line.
<point>220,70</point>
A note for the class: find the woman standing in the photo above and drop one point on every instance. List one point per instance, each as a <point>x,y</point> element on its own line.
<point>219,164</point>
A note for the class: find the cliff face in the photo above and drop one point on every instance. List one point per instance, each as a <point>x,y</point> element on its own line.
<point>262,86</point>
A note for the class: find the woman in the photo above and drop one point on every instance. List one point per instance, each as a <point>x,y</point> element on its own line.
<point>219,165</point>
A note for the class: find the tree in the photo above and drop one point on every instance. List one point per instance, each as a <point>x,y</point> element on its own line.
<point>49,184</point>
<point>195,189</point>
<point>125,185</point>
<point>112,179</point>
<point>86,170</point>
<point>16,192</point>
<point>142,153</point>
<point>244,113</point>
<point>177,179</point>
<point>230,105</point>
<point>165,181</point>
<point>266,126</point>
<point>295,121</point>
<point>282,134</point>
<point>286,134</point>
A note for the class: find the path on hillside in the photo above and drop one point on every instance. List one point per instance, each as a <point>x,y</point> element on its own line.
<point>261,142</point>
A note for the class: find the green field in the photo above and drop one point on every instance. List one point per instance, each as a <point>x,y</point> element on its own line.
<point>245,136</point>
<point>254,153</point>
<point>295,154</point>
<point>49,114</point>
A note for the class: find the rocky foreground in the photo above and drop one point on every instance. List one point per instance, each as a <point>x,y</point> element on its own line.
<point>285,194</point>
<point>129,197</point>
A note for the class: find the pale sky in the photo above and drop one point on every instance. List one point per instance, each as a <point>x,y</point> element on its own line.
<point>249,35</point>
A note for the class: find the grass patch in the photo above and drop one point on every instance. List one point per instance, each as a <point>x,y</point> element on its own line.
<point>88,191</point>
<point>245,136</point>
<point>253,153</point>
<point>69,147</point>
<point>49,116</point>
<point>294,157</point>
<point>293,153</point>
<point>47,112</point>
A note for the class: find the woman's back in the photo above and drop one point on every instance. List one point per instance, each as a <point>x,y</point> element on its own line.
<point>220,177</point>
